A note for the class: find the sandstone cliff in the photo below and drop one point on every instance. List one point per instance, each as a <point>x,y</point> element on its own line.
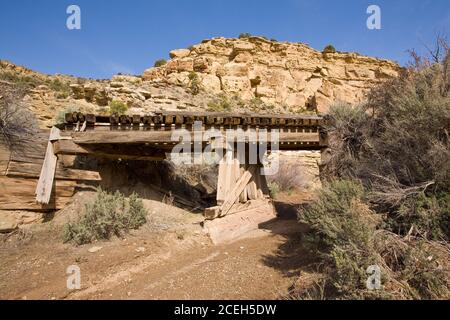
<point>280,73</point>
<point>250,74</point>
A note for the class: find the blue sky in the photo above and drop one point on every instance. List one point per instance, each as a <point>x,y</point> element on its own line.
<point>128,36</point>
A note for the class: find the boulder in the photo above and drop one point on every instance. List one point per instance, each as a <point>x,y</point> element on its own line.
<point>77,91</point>
<point>179,53</point>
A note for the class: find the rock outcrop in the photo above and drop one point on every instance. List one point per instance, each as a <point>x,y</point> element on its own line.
<point>292,75</point>
<point>253,73</point>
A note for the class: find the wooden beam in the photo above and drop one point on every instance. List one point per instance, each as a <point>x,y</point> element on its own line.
<point>214,212</point>
<point>46,178</point>
<point>221,182</point>
<point>142,137</point>
<point>131,152</point>
<point>19,194</point>
<point>69,147</point>
<point>31,170</point>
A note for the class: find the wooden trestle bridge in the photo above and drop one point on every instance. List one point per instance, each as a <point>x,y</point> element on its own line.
<point>151,137</point>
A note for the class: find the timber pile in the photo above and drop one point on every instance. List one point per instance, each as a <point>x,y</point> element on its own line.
<point>20,169</point>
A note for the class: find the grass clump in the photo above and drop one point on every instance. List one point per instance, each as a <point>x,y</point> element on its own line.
<point>220,104</point>
<point>108,215</point>
<point>117,107</point>
<point>194,83</point>
<point>21,81</point>
<point>160,63</point>
<point>274,189</point>
<point>245,35</point>
<point>329,49</point>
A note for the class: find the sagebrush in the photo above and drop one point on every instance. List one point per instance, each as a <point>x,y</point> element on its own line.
<point>387,201</point>
<point>108,215</point>
<point>117,107</point>
<point>349,237</point>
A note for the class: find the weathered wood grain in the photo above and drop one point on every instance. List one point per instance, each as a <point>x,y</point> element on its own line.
<point>32,170</point>
<point>46,178</point>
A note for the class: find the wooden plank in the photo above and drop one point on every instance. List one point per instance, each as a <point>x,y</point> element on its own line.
<point>252,190</point>
<point>46,178</point>
<point>29,204</point>
<point>136,119</point>
<point>157,119</point>
<point>68,147</point>
<point>68,118</point>
<point>168,120</point>
<point>134,137</point>
<point>114,119</point>
<point>26,187</point>
<point>235,192</point>
<point>243,196</point>
<point>179,119</point>
<point>221,184</point>
<point>229,179</point>
<point>257,179</point>
<point>237,174</point>
<point>31,170</point>
<point>147,120</point>
<point>90,119</point>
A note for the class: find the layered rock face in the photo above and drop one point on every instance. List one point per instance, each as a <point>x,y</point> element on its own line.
<point>257,74</point>
<point>291,75</point>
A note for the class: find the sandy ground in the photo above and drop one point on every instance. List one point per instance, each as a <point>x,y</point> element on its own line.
<point>168,258</point>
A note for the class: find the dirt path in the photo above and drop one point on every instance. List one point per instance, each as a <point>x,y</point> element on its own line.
<point>156,265</point>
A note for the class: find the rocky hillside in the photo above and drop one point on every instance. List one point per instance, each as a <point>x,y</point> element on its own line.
<point>219,74</point>
<point>285,74</point>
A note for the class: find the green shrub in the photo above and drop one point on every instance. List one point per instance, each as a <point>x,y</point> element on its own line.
<point>22,82</point>
<point>220,104</point>
<point>160,63</point>
<point>397,146</point>
<point>274,189</point>
<point>329,49</point>
<point>194,83</point>
<point>108,215</point>
<point>117,107</point>
<point>348,236</point>
<point>63,88</point>
<point>244,35</point>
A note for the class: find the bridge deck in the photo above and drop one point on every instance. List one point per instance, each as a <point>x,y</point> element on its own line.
<point>152,135</point>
